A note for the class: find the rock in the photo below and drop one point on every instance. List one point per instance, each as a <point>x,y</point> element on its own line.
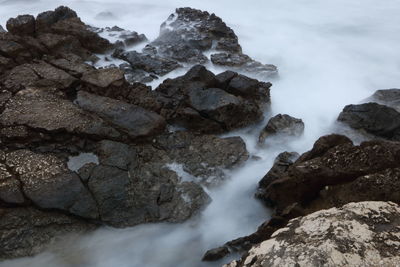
<point>201,101</point>
<point>2,29</point>
<point>64,21</point>
<point>103,78</point>
<point>134,120</point>
<point>26,231</point>
<point>242,62</point>
<point>115,154</point>
<point>61,44</point>
<point>38,74</point>
<point>357,234</point>
<point>10,47</point>
<point>388,97</point>
<point>203,156</point>
<point>47,182</point>
<point>281,163</point>
<point>74,67</point>
<point>373,118</point>
<point>47,19</point>
<point>5,64</point>
<point>21,25</point>
<point>188,32</point>
<point>215,254</point>
<point>152,64</point>
<point>282,125</point>
<point>46,110</point>
<point>340,164</point>
<point>147,192</point>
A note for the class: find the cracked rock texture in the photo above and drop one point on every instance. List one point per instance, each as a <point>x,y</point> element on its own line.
<point>357,234</point>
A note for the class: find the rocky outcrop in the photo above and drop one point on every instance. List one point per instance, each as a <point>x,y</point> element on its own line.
<point>283,125</point>
<point>21,25</point>
<point>203,102</point>
<point>388,97</point>
<point>183,39</point>
<point>333,173</point>
<point>357,234</point>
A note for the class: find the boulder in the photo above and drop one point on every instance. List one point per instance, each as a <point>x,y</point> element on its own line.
<point>357,234</point>
<point>379,120</point>
<point>201,101</point>
<point>45,20</point>
<point>134,120</point>
<point>284,125</point>
<point>103,78</point>
<point>21,25</point>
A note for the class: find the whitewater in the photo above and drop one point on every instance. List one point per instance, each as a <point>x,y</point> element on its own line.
<point>329,54</point>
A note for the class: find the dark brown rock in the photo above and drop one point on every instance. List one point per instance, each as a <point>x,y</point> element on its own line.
<point>21,25</point>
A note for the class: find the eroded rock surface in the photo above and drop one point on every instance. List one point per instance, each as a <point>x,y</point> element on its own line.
<point>283,125</point>
<point>357,234</point>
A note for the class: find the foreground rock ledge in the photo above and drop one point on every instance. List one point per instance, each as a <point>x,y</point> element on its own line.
<point>357,234</point>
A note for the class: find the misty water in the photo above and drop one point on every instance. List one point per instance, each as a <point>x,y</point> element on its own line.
<point>329,53</point>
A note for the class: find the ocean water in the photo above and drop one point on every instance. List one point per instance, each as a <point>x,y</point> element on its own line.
<point>329,53</point>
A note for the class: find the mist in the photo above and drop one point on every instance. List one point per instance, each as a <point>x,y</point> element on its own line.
<point>329,54</point>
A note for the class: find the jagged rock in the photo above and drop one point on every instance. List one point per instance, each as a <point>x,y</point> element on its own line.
<point>388,97</point>
<point>20,78</point>
<point>11,48</point>
<point>26,231</point>
<point>2,29</point>
<point>203,102</point>
<point>340,164</point>
<point>152,64</point>
<point>46,110</point>
<point>215,254</point>
<point>373,118</point>
<point>283,125</point>
<point>203,156</point>
<point>47,182</point>
<point>281,163</point>
<point>357,234</point>
<point>21,25</point>
<point>134,120</point>
<point>64,21</point>
<point>60,44</point>
<point>242,62</point>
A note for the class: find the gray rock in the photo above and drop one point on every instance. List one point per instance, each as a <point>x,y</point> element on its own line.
<point>2,29</point>
<point>104,77</point>
<point>46,110</point>
<point>26,231</point>
<point>46,19</point>
<point>242,62</point>
<point>373,118</point>
<point>50,185</point>
<point>388,97</point>
<point>21,25</point>
<point>136,121</point>
<point>357,234</point>
<point>282,125</point>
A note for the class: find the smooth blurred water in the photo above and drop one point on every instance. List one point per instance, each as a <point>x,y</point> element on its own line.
<point>329,53</point>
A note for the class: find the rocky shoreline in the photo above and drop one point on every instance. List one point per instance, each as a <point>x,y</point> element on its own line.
<point>56,107</point>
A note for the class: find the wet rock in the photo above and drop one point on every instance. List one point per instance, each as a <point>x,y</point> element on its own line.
<point>388,97</point>
<point>47,182</point>
<point>26,231</point>
<point>373,118</point>
<point>46,110</point>
<point>64,21</point>
<point>153,64</point>
<point>282,125</point>
<point>132,38</point>
<point>115,154</point>
<point>242,62</point>
<point>341,164</point>
<point>202,102</point>
<point>215,254</point>
<point>357,234</point>
<point>134,120</point>
<point>188,32</point>
<point>21,25</point>
<point>45,20</point>
<point>203,156</point>
<point>281,164</point>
